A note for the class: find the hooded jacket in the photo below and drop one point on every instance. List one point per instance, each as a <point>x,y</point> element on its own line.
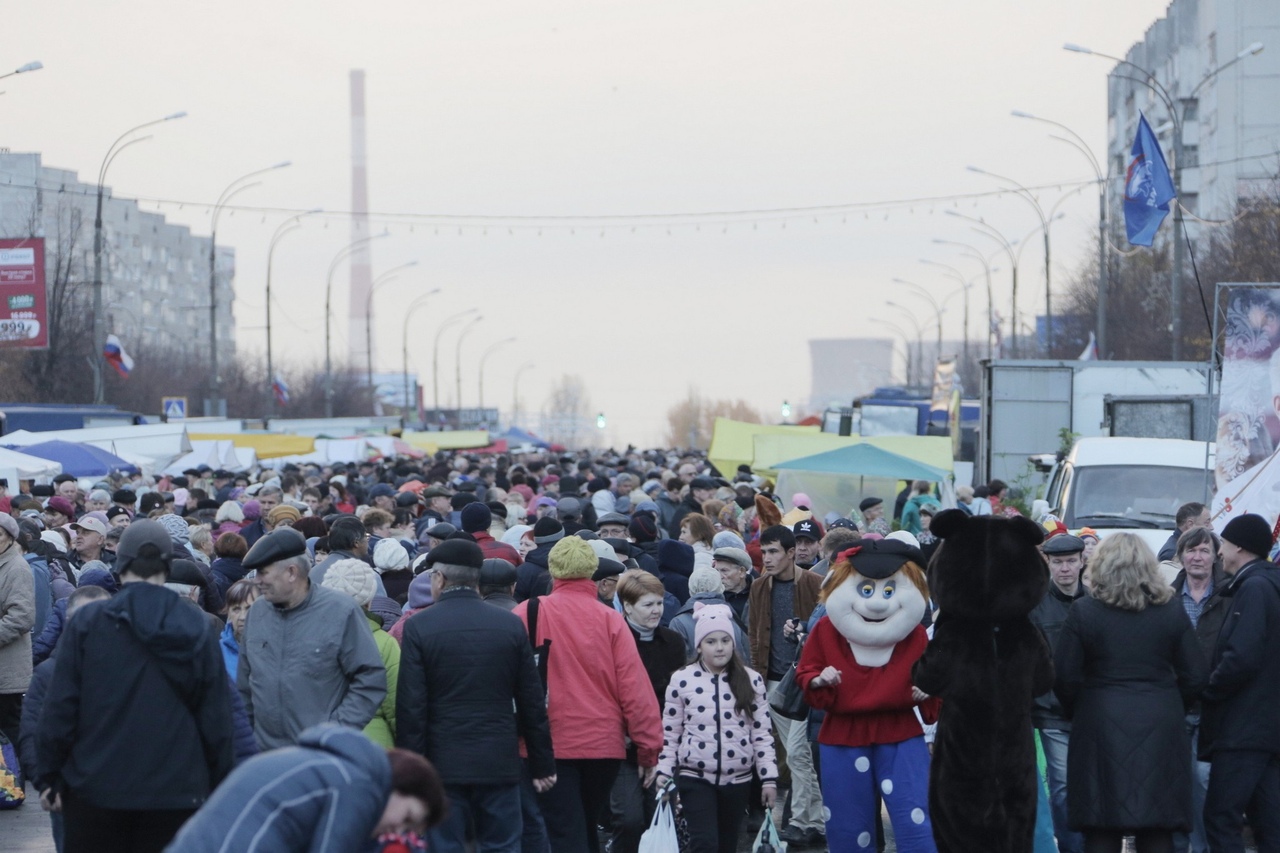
<point>137,715</point>
<point>224,571</point>
<point>313,663</point>
<point>533,577</point>
<point>324,795</point>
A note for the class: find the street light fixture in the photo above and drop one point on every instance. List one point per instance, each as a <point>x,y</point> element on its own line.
<point>404,352</point>
<point>457,356</point>
<point>909,377</point>
<point>215,407</point>
<point>490,351</point>
<point>342,255</point>
<point>983,228</point>
<point>1177,110</point>
<point>435,354</point>
<point>964,288</point>
<point>368,316</point>
<point>917,290</point>
<point>23,69</point>
<point>293,223</point>
<point>99,386</point>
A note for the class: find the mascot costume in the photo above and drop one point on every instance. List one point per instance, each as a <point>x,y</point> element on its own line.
<point>856,666</point>
<point>987,662</point>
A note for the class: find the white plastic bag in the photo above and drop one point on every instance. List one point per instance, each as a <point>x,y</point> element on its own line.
<point>767,840</point>
<point>660,837</point>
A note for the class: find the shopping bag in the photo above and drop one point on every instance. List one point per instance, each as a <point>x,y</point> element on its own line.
<point>787,698</point>
<point>660,837</point>
<point>767,840</point>
<point>11,793</point>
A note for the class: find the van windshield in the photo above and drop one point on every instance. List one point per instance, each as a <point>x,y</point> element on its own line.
<point>1146,495</point>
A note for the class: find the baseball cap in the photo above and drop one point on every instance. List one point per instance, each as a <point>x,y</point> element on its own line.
<point>807,528</point>
<point>90,523</point>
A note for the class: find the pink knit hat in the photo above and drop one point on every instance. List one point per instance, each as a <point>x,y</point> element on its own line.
<point>709,618</point>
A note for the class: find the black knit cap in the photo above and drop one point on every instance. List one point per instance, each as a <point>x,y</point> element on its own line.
<point>1250,533</point>
<point>882,558</point>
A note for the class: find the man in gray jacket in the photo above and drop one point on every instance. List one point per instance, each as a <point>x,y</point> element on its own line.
<point>308,656</point>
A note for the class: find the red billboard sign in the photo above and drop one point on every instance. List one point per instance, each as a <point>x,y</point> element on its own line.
<point>24,315</point>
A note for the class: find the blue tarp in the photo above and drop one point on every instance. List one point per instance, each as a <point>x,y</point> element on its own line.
<point>79,460</point>
<point>517,436</point>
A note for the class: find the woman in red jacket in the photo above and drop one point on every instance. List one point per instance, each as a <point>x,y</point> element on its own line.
<point>598,695</point>
<point>856,666</point>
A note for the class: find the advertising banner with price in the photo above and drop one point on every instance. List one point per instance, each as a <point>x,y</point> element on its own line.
<point>24,316</point>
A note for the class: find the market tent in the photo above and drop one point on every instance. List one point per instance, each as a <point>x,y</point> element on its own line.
<point>15,466</point>
<point>462,439</point>
<point>865,460</point>
<point>267,445</point>
<point>731,442</point>
<point>151,445</point>
<point>80,460</point>
<point>770,450</point>
<point>516,437</point>
<point>389,447</point>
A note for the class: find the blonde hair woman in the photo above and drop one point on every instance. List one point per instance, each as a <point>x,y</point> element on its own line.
<point>1128,666</point>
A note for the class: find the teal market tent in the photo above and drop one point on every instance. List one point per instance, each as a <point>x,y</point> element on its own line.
<point>865,460</point>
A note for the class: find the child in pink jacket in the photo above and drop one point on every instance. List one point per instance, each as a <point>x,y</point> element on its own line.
<point>716,731</point>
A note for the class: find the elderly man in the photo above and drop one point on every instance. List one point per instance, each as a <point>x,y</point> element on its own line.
<point>734,566</point>
<point>90,536</point>
<point>1238,731</point>
<point>466,665</point>
<point>1189,515</point>
<point>269,497</point>
<point>613,525</point>
<point>308,656</point>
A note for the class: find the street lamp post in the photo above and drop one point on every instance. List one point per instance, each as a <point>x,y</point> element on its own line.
<point>1177,109</point>
<point>214,407</point>
<point>987,269</point>
<point>1104,268</point>
<point>906,345</point>
<point>1030,198</point>
<point>490,351</point>
<point>404,351</point>
<point>99,386</point>
<point>920,330</point>
<point>290,225</point>
<point>435,354</point>
<point>983,228</point>
<point>515,390</point>
<point>933,303</point>
<point>457,356</point>
<point>964,288</point>
<point>368,316</point>
<point>342,255</point>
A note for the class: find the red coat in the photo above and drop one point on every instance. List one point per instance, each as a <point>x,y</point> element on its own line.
<point>598,692</point>
<point>871,704</point>
<point>493,549</point>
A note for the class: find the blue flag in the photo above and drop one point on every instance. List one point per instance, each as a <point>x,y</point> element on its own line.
<point>1148,189</point>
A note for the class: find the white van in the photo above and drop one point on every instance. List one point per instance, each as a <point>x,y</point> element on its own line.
<point>1131,484</point>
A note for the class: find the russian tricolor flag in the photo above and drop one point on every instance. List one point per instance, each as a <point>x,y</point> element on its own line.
<point>115,355</point>
<point>281,389</point>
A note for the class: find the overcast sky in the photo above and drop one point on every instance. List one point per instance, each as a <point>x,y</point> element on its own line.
<point>573,108</point>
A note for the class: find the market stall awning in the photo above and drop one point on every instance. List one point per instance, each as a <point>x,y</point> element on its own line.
<point>80,460</point>
<point>731,442</point>
<point>268,445</point>
<point>462,439</point>
<point>865,460</point>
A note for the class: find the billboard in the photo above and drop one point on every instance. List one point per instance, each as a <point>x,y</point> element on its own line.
<point>1247,464</point>
<point>24,316</point>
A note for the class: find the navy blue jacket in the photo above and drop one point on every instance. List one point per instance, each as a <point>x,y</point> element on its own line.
<point>533,576</point>
<point>31,705</point>
<point>138,714</point>
<point>46,641</point>
<point>1239,705</point>
<point>324,795</point>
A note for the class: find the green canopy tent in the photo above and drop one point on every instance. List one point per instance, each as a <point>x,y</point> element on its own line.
<point>837,480</point>
<point>864,460</point>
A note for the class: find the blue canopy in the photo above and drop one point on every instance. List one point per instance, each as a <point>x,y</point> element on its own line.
<point>865,460</point>
<point>517,436</point>
<point>80,460</point>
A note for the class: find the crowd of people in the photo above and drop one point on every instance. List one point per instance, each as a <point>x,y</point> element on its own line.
<point>527,653</point>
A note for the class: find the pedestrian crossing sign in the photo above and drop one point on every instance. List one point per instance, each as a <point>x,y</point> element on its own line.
<point>174,408</point>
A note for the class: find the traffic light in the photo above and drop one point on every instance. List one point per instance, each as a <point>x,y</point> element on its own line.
<point>786,410</point>
<point>600,421</point>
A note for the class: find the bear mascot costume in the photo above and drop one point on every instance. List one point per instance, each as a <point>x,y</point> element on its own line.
<point>986,662</point>
<point>856,666</point>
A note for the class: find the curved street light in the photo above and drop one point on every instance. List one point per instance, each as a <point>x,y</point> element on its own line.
<point>906,345</point>
<point>239,185</point>
<point>35,65</point>
<point>293,223</point>
<point>99,387</point>
<point>368,315</point>
<point>490,351</point>
<point>1177,110</point>
<point>918,290</point>
<point>342,255</point>
<point>404,353</point>
<point>435,354</point>
<point>457,356</point>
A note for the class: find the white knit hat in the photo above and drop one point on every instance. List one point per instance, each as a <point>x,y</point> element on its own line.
<point>354,578</point>
<point>389,555</point>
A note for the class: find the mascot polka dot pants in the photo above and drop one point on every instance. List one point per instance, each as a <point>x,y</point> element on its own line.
<point>850,777</point>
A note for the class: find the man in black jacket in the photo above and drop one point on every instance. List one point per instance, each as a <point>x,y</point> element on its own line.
<point>1065,555</point>
<point>463,665</point>
<point>1240,729</point>
<point>136,729</point>
<point>701,490</point>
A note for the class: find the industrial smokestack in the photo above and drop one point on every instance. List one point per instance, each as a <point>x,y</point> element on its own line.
<point>360,351</point>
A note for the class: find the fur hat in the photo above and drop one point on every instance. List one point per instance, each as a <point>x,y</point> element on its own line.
<point>767,511</point>
<point>353,578</point>
<point>282,513</point>
<point>705,579</point>
<point>709,618</point>
<point>572,558</point>
<point>389,555</point>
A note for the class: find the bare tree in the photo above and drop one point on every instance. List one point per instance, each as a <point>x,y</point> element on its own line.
<point>691,422</point>
<point>566,413</point>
